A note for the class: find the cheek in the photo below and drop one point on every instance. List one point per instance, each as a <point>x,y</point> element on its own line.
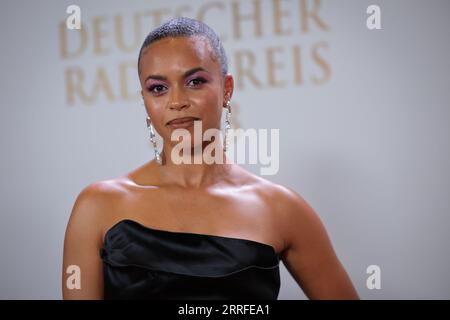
<point>154,107</point>
<point>154,111</point>
<point>210,104</point>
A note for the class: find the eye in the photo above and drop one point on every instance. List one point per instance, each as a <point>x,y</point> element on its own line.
<point>197,81</point>
<point>157,88</point>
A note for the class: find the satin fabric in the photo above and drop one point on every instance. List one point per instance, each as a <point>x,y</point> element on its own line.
<point>140,262</point>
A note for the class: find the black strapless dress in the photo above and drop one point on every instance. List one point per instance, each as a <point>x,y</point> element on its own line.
<point>140,262</point>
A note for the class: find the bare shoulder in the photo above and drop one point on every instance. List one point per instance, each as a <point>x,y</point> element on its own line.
<point>284,199</point>
<point>308,252</point>
<point>95,205</point>
<point>292,214</point>
<point>101,195</point>
<point>84,237</point>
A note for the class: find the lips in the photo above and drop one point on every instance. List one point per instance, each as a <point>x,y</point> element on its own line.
<point>184,122</point>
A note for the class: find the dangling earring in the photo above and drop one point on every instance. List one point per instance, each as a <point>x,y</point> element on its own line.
<point>153,140</point>
<point>227,125</point>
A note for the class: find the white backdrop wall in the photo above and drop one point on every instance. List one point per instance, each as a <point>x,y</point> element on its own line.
<point>363,117</point>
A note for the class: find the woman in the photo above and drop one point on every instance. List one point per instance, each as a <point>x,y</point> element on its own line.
<point>202,231</point>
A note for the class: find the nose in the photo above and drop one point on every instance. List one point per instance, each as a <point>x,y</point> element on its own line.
<point>178,99</point>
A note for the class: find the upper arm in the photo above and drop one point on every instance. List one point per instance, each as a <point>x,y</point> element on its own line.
<point>82,242</point>
<point>310,257</point>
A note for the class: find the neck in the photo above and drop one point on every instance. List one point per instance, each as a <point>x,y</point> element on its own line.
<point>196,172</point>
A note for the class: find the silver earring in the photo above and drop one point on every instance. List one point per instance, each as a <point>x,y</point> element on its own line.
<point>227,125</point>
<point>153,140</point>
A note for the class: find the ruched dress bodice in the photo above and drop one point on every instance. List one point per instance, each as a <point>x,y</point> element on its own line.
<point>140,262</point>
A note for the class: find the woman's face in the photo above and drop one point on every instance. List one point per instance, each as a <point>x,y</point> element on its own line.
<point>181,77</point>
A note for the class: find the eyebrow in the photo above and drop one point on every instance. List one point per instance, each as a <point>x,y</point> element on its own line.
<point>186,74</point>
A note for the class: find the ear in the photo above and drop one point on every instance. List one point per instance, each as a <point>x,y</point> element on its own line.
<point>228,88</point>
